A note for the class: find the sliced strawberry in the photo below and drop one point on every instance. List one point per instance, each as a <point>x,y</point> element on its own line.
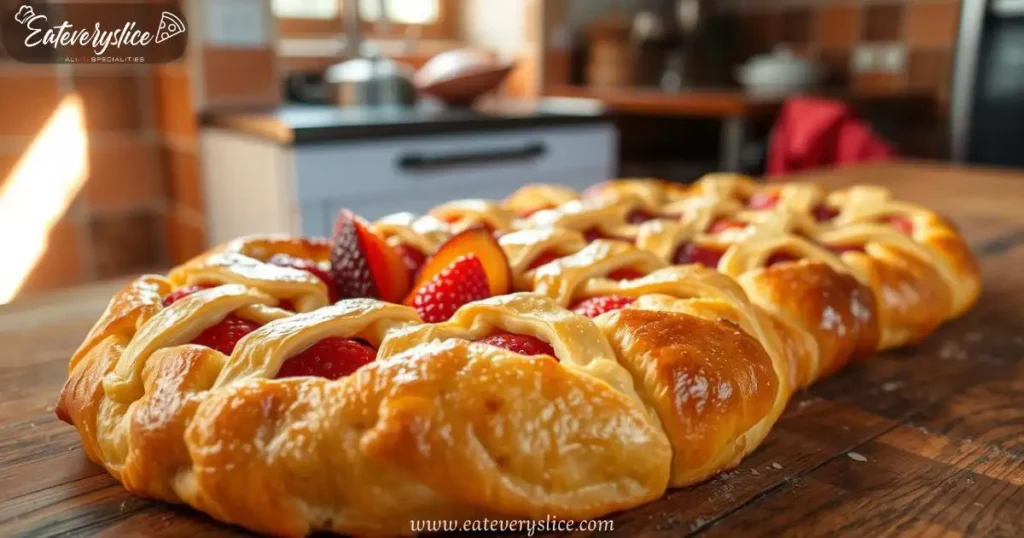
<point>544,258</point>
<point>363,264</point>
<point>690,253</point>
<point>310,266</point>
<point>183,292</point>
<point>332,358</point>
<point>519,343</point>
<point>482,245</point>
<point>412,258</point>
<point>722,224</point>
<point>824,212</point>
<point>626,273</point>
<point>902,224</point>
<point>764,199</point>
<point>595,306</point>
<point>224,335</point>
<point>463,281</point>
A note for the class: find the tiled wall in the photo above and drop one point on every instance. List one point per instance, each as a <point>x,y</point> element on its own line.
<point>138,206</point>
<point>112,223</point>
<point>916,36</point>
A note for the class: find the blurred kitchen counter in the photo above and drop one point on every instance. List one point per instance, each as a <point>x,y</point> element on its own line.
<point>739,111</point>
<point>304,123</point>
<point>725,102</point>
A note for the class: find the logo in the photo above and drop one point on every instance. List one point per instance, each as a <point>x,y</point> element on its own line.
<point>75,32</point>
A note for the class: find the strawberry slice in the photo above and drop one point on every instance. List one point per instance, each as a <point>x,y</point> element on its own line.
<point>723,224</point>
<point>224,335</point>
<point>412,258</point>
<point>595,306</point>
<point>462,281</point>
<point>764,200</point>
<point>481,244</point>
<point>363,264</point>
<point>519,343</point>
<point>332,358</point>
<point>183,292</point>
<point>691,253</point>
<point>310,266</point>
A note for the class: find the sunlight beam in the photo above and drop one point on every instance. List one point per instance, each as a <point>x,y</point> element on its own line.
<point>38,192</point>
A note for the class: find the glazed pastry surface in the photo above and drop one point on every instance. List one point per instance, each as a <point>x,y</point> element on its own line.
<point>732,296</point>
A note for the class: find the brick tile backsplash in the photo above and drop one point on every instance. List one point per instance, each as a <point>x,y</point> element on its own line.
<point>837,26</point>
<point>930,24</point>
<point>930,69</point>
<point>111,100</point>
<point>124,244</point>
<point>796,25</point>
<point>183,184</point>
<point>882,22</point>
<point>36,92</point>
<point>124,174</point>
<point>62,263</point>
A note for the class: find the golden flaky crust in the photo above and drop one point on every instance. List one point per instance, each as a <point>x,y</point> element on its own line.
<point>674,388</point>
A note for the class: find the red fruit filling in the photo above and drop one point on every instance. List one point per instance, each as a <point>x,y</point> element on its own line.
<point>224,335</point>
<point>595,306</point>
<point>412,258</point>
<point>183,292</point>
<point>331,358</point>
<point>544,258</point>
<point>764,200</point>
<point>638,216</point>
<point>519,343</point>
<point>902,224</point>
<point>690,253</point>
<point>779,257</point>
<point>722,224</point>
<point>310,266</point>
<point>824,213</point>
<point>626,273</point>
<point>461,282</point>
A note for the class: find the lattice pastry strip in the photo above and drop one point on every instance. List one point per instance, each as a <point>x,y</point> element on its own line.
<point>679,382</point>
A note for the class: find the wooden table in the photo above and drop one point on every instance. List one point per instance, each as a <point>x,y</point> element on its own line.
<point>941,425</point>
<point>734,107</point>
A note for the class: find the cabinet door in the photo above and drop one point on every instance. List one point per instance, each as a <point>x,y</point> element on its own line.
<point>486,162</point>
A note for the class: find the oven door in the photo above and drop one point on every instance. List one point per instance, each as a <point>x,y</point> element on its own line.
<point>987,116</point>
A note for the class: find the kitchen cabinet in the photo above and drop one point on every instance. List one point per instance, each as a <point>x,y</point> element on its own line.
<point>291,173</point>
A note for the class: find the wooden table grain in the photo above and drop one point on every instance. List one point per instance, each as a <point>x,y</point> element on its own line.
<point>925,441</point>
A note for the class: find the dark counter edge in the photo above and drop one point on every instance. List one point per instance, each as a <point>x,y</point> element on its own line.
<point>270,128</point>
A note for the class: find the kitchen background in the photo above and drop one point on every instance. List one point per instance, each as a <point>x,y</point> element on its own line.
<point>101,166</point>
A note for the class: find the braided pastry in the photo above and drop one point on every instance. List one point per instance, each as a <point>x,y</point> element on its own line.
<point>573,366</point>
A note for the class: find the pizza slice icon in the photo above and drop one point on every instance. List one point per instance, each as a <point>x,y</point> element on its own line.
<point>170,26</point>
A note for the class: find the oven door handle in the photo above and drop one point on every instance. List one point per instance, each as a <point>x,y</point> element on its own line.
<point>423,162</point>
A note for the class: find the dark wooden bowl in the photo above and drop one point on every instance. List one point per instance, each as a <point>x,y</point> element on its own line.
<point>460,77</point>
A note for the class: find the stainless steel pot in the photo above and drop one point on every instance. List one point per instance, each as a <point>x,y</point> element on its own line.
<point>371,82</point>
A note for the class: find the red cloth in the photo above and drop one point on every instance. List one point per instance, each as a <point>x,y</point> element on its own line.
<point>814,133</point>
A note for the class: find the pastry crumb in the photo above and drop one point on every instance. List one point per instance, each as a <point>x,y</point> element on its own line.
<point>856,456</point>
<point>776,465</point>
<point>890,386</point>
